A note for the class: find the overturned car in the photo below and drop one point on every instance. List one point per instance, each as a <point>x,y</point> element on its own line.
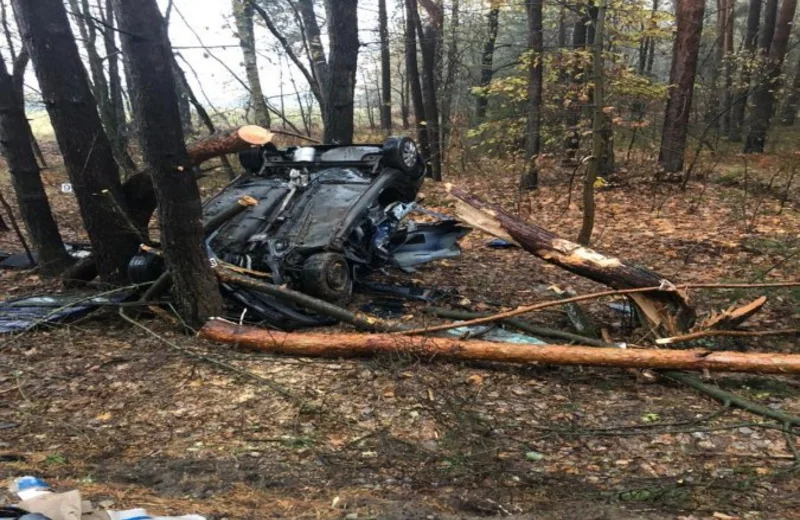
<point>323,217</point>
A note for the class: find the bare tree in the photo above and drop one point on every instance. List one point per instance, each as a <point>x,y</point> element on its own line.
<point>764,94</point>
<point>685,51</point>
<point>147,47</point>
<point>530,177</point>
<point>243,16</point>
<point>25,174</point>
<point>86,149</point>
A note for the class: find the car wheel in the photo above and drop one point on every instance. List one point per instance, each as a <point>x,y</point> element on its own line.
<point>401,153</point>
<point>328,277</point>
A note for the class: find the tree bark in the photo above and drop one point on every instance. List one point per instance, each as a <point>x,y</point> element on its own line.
<point>727,62</point>
<point>386,69</point>
<point>147,47</point>
<point>533,137</point>
<point>243,16</point>
<point>412,69</point>
<point>666,309</point>
<point>764,94</point>
<point>117,105</point>
<point>341,84</point>
<point>749,44</point>
<point>87,152</point>
<point>25,177</point>
<point>487,62</point>
<point>685,51</point>
<point>365,345</point>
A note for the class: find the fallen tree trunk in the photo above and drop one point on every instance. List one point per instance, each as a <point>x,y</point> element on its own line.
<point>360,345</point>
<point>668,309</point>
<point>224,143</point>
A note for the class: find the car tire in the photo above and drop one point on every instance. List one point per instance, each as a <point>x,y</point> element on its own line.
<point>401,153</point>
<point>328,277</point>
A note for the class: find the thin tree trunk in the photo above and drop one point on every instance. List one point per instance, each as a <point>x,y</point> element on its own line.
<point>12,52</point>
<point>412,68</point>
<point>764,94</point>
<point>341,85</point>
<point>726,98</point>
<point>25,176</point>
<point>116,104</point>
<point>319,64</point>
<point>87,152</point>
<point>533,137</point>
<point>599,121</point>
<point>405,95</point>
<point>386,69</point>
<point>487,62</point>
<point>243,16</point>
<point>789,113</point>
<point>144,36</point>
<point>685,50</point>
<point>428,37</point>
<point>749,44</point>
<point>573,140</point>
<point>448,81</point>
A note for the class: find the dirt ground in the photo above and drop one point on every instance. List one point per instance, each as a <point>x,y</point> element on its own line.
<point>161,420</point>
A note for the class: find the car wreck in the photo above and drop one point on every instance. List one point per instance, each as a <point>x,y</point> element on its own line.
<point>321,219</point>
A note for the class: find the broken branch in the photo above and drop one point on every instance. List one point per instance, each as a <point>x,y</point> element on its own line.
<point>361,345</point>
<point>728,333</point>
<point>662,308</point>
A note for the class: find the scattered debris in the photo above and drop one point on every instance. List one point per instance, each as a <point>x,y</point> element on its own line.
<point>23,314</point>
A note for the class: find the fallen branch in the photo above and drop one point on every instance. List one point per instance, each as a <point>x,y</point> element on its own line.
<point>661,308</point>
<point>360,321</point>
<point>360,345</point>
<point>526,309</point>
<point>732,399</point>
<point>728,333</point>
<point>224,143</point>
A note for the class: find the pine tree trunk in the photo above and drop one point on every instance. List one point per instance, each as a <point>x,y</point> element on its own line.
<point>749,44</point>
<point>487,62</point>
<point>685,51</point>
<point>147,48</point>
<point>243,16</point>
<point>386,69</point>
<point>340,89</point>
<point>447,86</point>
<point>25,177</point>
<point>87,152</point>
<point>764,94</point>
<point>533,137</point>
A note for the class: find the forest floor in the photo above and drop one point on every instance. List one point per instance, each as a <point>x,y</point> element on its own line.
<point>136,420</point>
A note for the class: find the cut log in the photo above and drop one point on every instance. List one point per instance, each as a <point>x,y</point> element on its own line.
<point>361,345</point>
<point>224,143</point>
<point>669,310</point>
